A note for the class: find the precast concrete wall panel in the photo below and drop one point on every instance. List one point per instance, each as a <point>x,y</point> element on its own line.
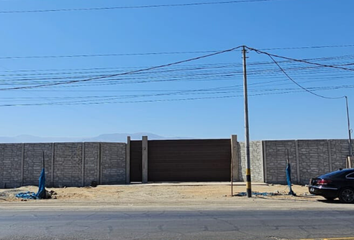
<point>113,163</point>
<point>67,164</point>
<point>11,165</point>
<point>36,157</point>
<point>338,153</point>
<point>308,158</point>
<point>276,154</point>
<point>91,163</point>
<point>313,159</point>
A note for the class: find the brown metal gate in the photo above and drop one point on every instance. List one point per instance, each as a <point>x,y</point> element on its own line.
<point>189,160</point>
<point>135,161</point>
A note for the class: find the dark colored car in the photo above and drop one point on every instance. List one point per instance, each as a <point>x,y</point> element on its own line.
<point>337,184</point>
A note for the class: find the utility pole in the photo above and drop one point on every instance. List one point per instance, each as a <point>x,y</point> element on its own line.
<point>349,130</point>
<point>247,140</point>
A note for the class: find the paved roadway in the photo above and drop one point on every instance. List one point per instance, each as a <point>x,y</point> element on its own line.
<point>256,221</point>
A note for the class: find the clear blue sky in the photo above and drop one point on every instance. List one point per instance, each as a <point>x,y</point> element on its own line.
<point>156,95</point>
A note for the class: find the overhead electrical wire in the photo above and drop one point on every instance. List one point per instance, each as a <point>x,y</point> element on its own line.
<point>216,90</point>
<point>309,47</point>
<point>303,61</point>
<point>173,72</point>
<point>143,101</point>
<point>160,53</point>
<point>83,72</point>
<point>214,76</point>
<point>104,55</point>
<point>195,75</point>
<point>117,100</point>
<point>122,74</point>
<point>133,7</point>
<point>307,90</point>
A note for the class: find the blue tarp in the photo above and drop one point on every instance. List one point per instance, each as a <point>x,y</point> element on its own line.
<point>26,195</point>
<point>288,179</point>
<point>41,194</point>
<point>41,187</point>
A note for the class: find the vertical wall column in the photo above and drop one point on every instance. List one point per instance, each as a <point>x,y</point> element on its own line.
<point>99,177</point>
<point>329,155</point>
<point>234,159</point>
<point>297,162</point>
<point>52,170</point>
<point>83,164</point>
<point>127,161</point>
<point>262,162</point>
<point>22,164</point>
<point>145,159</point>
<point>265,169</point>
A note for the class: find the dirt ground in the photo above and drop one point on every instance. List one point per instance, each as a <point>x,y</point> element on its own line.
<point>161,193</point>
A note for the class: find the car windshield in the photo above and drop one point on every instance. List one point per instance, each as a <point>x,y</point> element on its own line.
<point>337,173</point>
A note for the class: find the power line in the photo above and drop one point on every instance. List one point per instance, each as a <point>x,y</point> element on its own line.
<point>198,76</point>
<point>148,71</point>
<point>105,55</point>
<point>117,100</point>
<point>132,7</point>
<point>206,67</point>
<point>197,73</point>
<point>287,75</point>
<point>310,47</point>
<point>160,53</point>
<point>194,67</point>
<point>300,60</point>
<point>307,90</point>
<point>148,78</point>
<point>121,74</point>
<point>215,90</point>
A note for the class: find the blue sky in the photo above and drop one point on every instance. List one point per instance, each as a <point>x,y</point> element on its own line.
<point>154,101</point>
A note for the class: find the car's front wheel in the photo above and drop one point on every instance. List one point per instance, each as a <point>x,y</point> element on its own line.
<point>346,195</point>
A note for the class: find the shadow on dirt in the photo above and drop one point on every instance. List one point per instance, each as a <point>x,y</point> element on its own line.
<point>335,201</point>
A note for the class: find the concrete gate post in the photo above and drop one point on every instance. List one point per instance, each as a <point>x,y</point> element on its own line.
<point>127,161</point>
<point>234,158</point>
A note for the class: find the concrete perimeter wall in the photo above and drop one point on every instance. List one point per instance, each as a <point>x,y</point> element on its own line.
<point>308,159</point>
<point>66,164</point>
<point>79,164</point>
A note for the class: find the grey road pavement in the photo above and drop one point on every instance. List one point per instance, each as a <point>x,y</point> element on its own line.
<point>267,221</point>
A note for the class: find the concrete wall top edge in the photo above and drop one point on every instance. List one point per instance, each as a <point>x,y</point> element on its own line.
<point>11,143</point>
<point>190,139</point>
<point>57,143</point>
<point>256,141</point>
<point>286,140</point>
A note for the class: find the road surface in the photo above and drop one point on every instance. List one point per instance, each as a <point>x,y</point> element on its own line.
<point>253,221</point>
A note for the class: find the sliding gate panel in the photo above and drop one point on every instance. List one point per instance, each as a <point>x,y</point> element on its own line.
<point>135,161</point>
<point>189,160</point>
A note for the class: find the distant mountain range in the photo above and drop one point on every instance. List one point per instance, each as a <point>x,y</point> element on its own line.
<point>114,137</point>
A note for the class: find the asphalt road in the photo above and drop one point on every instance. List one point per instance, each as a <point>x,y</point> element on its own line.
<point>176,223</point>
